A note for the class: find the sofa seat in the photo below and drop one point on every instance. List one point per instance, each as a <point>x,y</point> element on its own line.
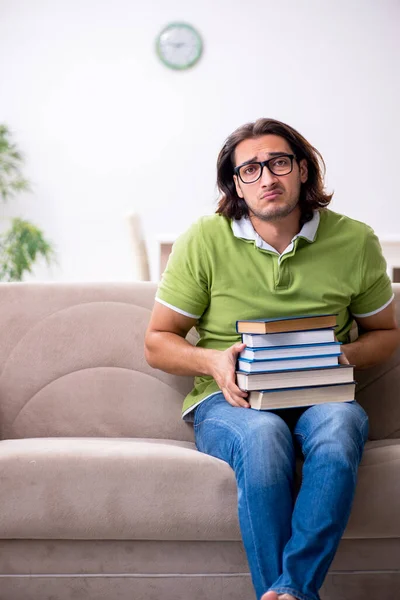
<point>151,489</point>
<point>114,489</point>
<point>375,513</point>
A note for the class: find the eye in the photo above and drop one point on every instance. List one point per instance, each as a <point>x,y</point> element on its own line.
<point>281,161</point>
<point>250,172</point>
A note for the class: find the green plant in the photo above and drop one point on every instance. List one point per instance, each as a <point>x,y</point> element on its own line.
<point>23,243</point>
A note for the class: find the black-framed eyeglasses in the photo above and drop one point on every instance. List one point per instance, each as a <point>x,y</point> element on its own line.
<point>250,172</point>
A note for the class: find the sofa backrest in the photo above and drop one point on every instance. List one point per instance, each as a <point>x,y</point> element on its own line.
<point>72,364</point>
<point>378,391</point>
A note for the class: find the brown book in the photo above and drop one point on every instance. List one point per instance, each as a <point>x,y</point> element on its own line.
<point>304,396</point>
<point>298,323</point>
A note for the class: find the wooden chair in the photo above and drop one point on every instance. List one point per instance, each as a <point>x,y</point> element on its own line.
<point>139,250</point>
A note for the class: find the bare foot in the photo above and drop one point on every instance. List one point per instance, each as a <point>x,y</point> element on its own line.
<point>275,596</point>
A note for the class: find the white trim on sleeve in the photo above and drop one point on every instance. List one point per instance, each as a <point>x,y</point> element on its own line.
<point>374,312</point>
<point>178,310</point>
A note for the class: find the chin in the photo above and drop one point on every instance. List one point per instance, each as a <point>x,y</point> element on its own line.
<point>272,215</point>
<point>277,212</point>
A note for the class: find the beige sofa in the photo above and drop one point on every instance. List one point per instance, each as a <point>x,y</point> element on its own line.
<point>103,494</point>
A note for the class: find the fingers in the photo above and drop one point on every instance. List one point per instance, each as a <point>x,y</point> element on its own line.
<point>234,395</point>
<point>236,401</point>
<point>237,348</point>
<point>240,345</point>
<point>225,377</point>
<point>343,360</point>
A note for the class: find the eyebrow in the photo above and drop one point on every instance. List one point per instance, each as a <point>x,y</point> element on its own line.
<point>254,159</point>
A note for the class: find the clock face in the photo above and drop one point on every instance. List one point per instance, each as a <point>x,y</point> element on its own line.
<point>179,46</point>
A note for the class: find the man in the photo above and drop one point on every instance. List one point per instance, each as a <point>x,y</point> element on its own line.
<point>272,250</point>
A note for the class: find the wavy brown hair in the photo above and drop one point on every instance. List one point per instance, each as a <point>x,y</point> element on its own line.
<point>312,192</point>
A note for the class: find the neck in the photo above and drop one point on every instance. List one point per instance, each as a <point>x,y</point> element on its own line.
<point>279,233</point>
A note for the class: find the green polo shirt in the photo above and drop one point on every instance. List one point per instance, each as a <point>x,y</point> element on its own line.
<point>220,271</point>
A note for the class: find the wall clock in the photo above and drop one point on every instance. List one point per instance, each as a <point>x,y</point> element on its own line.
<point>179,46</point>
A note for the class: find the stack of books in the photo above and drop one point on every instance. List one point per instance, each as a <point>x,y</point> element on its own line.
<point>292,361</point>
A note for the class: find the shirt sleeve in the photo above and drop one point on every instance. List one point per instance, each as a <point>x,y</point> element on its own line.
<point>375,288</point>
<point>185,281</point>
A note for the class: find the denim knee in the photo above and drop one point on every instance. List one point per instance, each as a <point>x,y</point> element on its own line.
<point>259,443</point>
<point>332,424</point>
<point>268,446</point>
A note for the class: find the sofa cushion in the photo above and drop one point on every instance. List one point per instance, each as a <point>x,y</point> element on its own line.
<point>72,364</point>
<point>376,512</point>
<point>378,393</point>
<point>94,488</point>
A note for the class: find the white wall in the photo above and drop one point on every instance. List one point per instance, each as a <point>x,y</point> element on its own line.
<point>106,128</point>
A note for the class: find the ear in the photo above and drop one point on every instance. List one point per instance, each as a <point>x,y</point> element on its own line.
<point>237,185</point>
<point>303,168</point>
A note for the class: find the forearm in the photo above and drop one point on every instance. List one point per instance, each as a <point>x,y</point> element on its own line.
<point>173,354</point>
<point>372,347</point>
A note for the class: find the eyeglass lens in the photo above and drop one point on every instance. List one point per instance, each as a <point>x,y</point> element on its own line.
<point>281,165</point>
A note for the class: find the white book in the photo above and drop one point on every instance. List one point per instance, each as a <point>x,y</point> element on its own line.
<point>330,349</point>
<point>255,366</point>
<point>293,338</point>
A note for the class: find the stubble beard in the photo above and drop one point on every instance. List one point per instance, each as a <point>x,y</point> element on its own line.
<point>275,214</point>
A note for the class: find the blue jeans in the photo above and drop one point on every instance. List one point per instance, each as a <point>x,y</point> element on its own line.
<point>290,542</point>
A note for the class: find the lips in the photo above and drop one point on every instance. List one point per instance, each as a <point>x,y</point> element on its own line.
<point>271,195</point>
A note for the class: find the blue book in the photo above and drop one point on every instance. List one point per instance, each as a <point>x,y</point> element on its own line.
<point>284,324</point>
<point>295,351</point>
<point>282,364</point>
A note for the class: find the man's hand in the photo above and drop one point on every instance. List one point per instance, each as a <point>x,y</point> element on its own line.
<point>223,369</point>
<point>343,360</point>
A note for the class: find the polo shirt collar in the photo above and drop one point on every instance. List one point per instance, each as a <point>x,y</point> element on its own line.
<point>242,228</point>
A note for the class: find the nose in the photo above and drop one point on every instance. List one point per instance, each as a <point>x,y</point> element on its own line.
<point>267,178</point>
